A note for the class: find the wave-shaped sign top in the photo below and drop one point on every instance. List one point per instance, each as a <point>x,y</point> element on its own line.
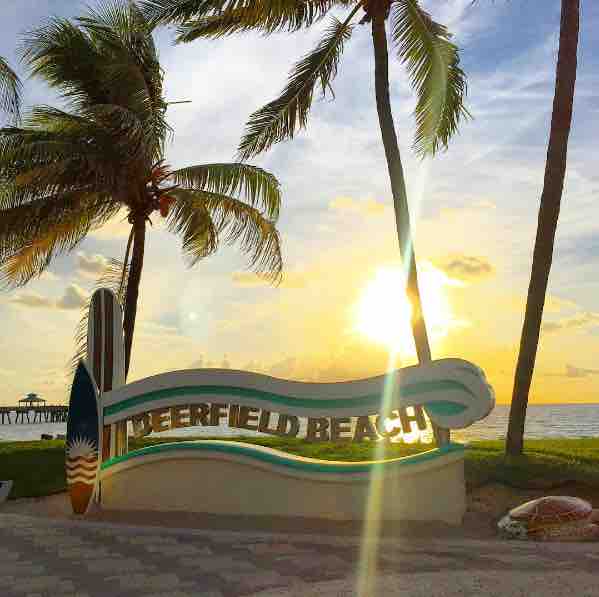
<point>454,393</point>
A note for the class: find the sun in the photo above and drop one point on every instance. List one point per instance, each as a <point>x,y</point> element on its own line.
<point>383,311</point>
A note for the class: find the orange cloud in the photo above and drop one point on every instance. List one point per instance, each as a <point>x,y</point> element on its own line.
<point>249,279</point>
<point>368,207</point>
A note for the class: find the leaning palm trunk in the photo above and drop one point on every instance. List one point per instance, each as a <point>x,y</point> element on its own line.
<point>555,170</point>
<point>400,200</point>
<point>139,239</point>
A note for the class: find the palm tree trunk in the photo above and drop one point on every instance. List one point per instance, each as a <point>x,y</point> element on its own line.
<point>555,171</point>
<point>400,199</point>
<point>137,261</point>
<point>125,265</point>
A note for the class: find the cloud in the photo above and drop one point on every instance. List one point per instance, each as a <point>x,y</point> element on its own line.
<point>254,366</point>
<point>153,333</point>
<point>250,279</point>
<point>285,369</point>
<point>33,300</point>
<point>202,363</point>
<point>572,371</point>
<point>368,207</point>
<point>554,304</point>
<point>50,378</point>
<point>467,267</point>
<point>93,265</point>
<point>197,364</point>
<point>48,276</point>
<point>352,359</point>
<point>74,298</point>
<point>116,228</point>
<point>579,321</point>
<point>485,204</point>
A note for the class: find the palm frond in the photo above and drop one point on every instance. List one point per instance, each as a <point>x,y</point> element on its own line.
<point>214,18</point>
<point>259,187</point>
<point>36,165</point>
<point>215,26</point>
<point>63,149</point>
<point>238,223</point>
<point>27,249</point>
<point>122,31</point>
<point>32,259</point>
<point>22,224</point>
<point>433,63</point>
<point>116,64</point>
<point>10,89</point>
<point>190,219</point>
<point>259,16</point>
<point>134,69</point>
<point>67,59</point>
<point>111,278</point>
<point>177,11</point>
<point>279,119</point>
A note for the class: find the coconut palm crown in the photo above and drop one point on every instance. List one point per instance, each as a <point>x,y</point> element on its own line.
<point>423,45</point>
<point>67,171</point>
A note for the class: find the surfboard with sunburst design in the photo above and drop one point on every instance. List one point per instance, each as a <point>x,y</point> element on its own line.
<point>83,445</point>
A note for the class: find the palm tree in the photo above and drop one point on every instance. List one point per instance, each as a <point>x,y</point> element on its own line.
<point>555,171</point>
<point>66,172</point>
<point>423,45</point>
<point>10,89</point>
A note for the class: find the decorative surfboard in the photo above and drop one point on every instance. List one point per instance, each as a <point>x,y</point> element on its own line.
<point>106,360</point>
<point>83,442</point>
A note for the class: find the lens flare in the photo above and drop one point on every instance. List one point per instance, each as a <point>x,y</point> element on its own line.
<point>383,312</point>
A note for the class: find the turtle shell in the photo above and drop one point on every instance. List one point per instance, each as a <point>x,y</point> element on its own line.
<point>552,510</point>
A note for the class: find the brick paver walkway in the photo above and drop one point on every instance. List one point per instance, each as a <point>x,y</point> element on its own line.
<point>43,557</point>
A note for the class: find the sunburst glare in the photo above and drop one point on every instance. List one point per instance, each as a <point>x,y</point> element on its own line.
<point>383,311</point>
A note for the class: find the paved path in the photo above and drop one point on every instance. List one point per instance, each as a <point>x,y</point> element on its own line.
<point>42,557</point>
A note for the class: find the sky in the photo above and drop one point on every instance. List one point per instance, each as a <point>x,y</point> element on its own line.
<point>474,211</point>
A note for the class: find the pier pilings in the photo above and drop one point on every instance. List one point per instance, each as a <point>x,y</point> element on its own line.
<point>36,414</point>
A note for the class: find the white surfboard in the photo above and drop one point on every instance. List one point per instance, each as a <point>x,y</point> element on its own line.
<point>106,360</point>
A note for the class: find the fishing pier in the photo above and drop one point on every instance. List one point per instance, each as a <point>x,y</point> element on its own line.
<point>33,409</point>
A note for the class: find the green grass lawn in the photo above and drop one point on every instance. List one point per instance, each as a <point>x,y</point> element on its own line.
<point>545,462</point>
<point>38,467</point>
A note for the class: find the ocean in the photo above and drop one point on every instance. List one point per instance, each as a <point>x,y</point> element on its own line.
<point>542,421</point>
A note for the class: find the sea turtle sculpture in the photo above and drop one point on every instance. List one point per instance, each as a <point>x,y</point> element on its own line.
<point>552,518</point>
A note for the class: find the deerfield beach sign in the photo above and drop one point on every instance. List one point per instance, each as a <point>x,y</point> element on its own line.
<point>253,480</point>
<point>215,414</point>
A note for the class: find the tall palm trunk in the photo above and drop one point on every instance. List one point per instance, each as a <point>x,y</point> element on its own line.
<point>555,171</point>
<point>137,261</point>
<point>400,199</point>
